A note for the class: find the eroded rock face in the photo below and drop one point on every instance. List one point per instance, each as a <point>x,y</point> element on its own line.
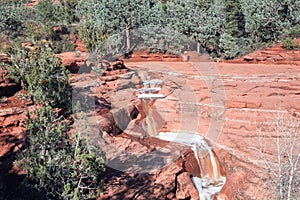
<point>134,170</point>
<point>11,115</point>
<point>170,181</point>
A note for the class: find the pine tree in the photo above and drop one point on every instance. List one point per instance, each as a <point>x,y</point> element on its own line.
<point>266,19</point>
<point>234,18</point>
<point>200,19</point>
<point>229,46</point>
<point>116,16</point>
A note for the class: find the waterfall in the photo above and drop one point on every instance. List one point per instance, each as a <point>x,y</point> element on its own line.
<point>210,179</point>
<point>214,164</point>
<point>148,95</point>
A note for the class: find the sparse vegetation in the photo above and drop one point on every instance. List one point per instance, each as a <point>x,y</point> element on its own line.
<point>289,43</point>
<point>294,32</point>
<point>289,36</point>
<point>60,164</point>
<point>282,168</point>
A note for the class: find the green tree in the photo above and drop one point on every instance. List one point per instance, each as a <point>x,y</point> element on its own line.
<point>63,166</point>
<point>266,20</point>
<point>41,73</point>
<point>234,18</point>
<point>229,45</point>
<point>200,19</point>
<point>91,35</point>
<point>67,11</point>
<point>116,16</point>
<point>162,39</point>
<point>47,12</point>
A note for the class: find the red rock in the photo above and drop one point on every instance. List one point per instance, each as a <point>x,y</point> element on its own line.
<point>235,104</point>
<point>275,54</point>
<point>185,187</point>
<point>286,56</point>
<point>185,58</point>
<point>32,3</point>
<point>144,56</point>
<point>107,123</point>
<point>11,111</point>
<point>261,58</point>
<point>253,104</point>
<point>10,121</point>
<point>4,57</point>
<point>248,58</point>
<point>277,58</point>
<point>191,164</point>
<point>80,46</point>
<point>297,40</point>
<point>7,86</point>
<point>72,60</point>
<point>247,88</point>
<point>166,177</point>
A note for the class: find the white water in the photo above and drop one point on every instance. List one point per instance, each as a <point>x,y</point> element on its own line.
<point>214,165</point>
<point>207,185</point>
<point>194,148</point>
<point>207,192</point>
<point>210,181</point>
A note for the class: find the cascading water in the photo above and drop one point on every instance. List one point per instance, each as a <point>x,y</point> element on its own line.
<point>148,95</point>
<point>210,178</point>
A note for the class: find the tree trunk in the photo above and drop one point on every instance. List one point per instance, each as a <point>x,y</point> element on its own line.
<point>128,45</point>
<point>198,47</point>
